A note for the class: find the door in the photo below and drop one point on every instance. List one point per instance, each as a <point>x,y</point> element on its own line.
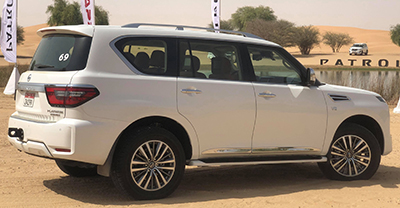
<point>291,118</point>
<point>213,98</point>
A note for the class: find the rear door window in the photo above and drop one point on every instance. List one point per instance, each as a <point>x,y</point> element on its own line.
<point>61,53</point>
<point>148,55</point>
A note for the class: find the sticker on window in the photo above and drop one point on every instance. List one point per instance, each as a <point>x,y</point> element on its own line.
<point>63,57</point>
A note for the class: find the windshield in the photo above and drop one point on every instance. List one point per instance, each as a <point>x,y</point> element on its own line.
<point>61,53</point>
<point>357,45</point>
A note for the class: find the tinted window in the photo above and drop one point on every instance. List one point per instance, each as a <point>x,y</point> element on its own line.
<point>212,60</point>
<point>146,55</point>
<point>270,66</point>
<point>61,53</point>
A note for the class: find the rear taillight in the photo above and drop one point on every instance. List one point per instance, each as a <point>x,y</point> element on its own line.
<point>69,96</point>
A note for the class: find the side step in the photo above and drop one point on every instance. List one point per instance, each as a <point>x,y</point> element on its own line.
<point>215,162</point>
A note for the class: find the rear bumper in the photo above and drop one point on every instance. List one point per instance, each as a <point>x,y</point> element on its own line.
<point>69,139</point>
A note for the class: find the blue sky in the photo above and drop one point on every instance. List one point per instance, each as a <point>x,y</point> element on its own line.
<point>367,14</point>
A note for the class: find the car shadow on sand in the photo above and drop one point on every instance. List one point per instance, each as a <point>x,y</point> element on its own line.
<point>207,184</point>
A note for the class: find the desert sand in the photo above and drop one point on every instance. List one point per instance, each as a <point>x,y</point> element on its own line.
<point>27,181</point>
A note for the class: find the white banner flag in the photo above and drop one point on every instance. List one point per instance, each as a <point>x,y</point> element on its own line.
<point>87,9</point>
<point>215,11</point>
<point>12,82</point>
<point>8,35</point>
<point>397,109</point>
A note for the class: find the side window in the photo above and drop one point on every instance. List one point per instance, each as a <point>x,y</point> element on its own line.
<point>270,66</point>
<point>209,60</point>
<point>147,56</point>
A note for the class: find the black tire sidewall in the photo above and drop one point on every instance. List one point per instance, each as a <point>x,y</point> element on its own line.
<point>121,175</point>
<point>369,138</point>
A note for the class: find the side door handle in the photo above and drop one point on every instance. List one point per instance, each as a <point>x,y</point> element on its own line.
<point>191,91</point>
<point>266,94</point>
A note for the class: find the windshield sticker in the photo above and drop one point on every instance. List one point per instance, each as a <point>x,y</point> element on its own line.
<point>63,57</point>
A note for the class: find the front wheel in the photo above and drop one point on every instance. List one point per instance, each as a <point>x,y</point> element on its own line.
<point>148,163</point>
<point>353,155</point>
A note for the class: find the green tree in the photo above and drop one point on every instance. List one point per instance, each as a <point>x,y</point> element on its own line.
<point>278,31</point>
<point>395,34</point>
<point>64,13</point>
<point>337,40</point>
<point>306,38</point>
<point>224,25</point>
<point>20,35</point>
<point>248,13</point>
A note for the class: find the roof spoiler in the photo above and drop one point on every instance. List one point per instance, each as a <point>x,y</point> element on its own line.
<point>182,27</point>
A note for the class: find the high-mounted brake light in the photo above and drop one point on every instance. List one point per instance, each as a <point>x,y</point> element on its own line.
<point>69,96</point>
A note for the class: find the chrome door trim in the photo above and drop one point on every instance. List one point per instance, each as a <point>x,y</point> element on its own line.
<point>227,151</point>
<point>263,151</point>
<point>285,150</point>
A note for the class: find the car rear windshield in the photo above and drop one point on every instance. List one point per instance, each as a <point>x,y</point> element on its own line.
<point>61,53</point>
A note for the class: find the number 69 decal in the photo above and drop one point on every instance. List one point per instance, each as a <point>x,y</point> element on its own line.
<point>63,57</point>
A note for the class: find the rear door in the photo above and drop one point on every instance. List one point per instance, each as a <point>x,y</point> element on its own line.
<point>57,58</point>
<point>213,97</point>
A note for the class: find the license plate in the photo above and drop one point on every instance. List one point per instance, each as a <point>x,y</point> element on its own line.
<point>29,99</point>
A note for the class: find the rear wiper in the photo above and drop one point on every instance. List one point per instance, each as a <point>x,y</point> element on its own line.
<point>41,66</point>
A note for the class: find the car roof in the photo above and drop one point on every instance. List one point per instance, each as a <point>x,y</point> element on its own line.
<point>176,31</point>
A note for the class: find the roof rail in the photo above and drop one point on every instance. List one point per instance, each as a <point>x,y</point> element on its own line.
<point>181,27</point>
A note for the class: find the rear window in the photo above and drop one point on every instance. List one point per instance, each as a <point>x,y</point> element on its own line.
<point>61,53</point>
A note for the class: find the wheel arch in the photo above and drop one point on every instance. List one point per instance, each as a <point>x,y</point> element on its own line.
<point>370,124</point>
<point>169,124</point>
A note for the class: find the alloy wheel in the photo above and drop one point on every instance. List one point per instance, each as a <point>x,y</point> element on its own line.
<point>351,155</point>
<point>152,165</point>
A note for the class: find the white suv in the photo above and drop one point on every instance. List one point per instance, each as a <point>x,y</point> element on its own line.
<point>139,103</point>
<point>359,49</point>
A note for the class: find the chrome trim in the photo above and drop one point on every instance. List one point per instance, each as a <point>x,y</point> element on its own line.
<point>266,94</point>
<point>286,150</point>
<point>191,91</point>
<point>227,151</point>
<point>263,151</point>
<point>33,87</point>
<point>336,98</point>
<point>201,163</point>
<point>40,87</point>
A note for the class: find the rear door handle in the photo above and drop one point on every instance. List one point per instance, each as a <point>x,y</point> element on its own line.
<point>190,91</point>
<point>266,94</point>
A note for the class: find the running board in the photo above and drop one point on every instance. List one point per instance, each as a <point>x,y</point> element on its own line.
<point>203,163</point>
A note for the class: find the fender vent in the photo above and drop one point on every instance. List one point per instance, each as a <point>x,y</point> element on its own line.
<point>339,98</point>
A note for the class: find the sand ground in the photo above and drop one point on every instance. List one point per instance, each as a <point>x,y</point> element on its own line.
<point>28,181</point>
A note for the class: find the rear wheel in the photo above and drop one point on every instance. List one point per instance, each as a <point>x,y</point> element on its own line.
<point>353,155</point>
<point>148,164</point>
<point>77,169</point>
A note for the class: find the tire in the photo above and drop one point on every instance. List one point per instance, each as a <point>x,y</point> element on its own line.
<point>355,160</point>
<point>77,169</point>
<point>366,53</point>
<point>148,163</point>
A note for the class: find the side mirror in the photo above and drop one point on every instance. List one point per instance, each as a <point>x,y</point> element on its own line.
<point>311,78</point>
